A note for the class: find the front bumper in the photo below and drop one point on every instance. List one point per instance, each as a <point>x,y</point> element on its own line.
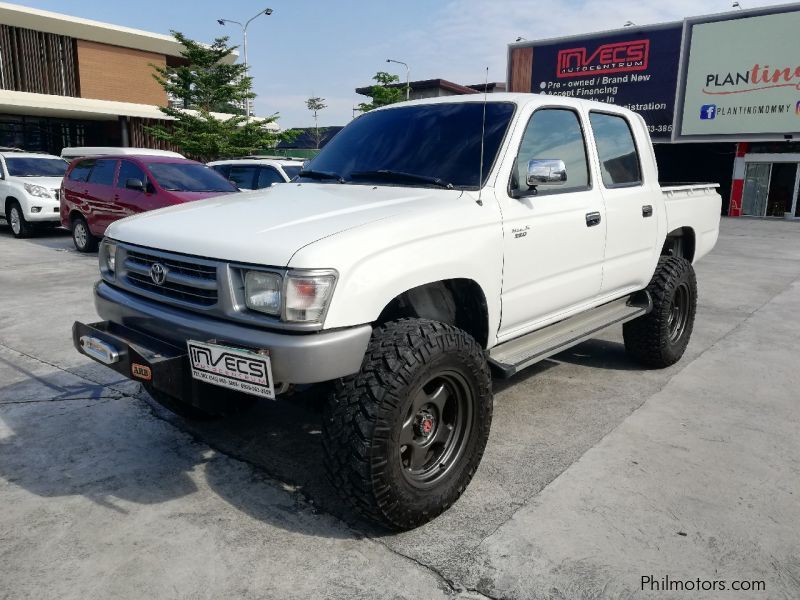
<point>50,211</point>
<point>132,322</point>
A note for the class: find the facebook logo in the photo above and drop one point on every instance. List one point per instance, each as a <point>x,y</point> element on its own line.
<point>708,111</point>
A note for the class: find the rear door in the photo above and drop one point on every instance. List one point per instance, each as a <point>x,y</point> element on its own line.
<point>100,194</point>
<point>632,222</point>
<point>553,237</point>
<point>76,190</point>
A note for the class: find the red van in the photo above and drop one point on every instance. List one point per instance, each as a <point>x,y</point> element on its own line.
<point>99,190</point>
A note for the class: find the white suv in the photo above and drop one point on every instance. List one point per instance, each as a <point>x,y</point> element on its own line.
<point>255,173</point>
<point>29,188</point>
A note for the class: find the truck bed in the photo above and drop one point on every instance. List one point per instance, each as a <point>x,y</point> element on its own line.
<point>694,205</point>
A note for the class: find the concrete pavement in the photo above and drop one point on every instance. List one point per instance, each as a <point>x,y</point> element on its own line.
<point>597,472</point>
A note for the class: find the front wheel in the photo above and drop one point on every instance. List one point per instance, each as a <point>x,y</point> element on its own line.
<point>16,220</point>
<point>659,338</point>
<point>404,436</point>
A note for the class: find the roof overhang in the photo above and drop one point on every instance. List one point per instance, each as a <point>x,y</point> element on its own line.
<point>66,107</point>
<point>94,31</point>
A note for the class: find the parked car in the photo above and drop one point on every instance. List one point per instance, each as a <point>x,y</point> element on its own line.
<point>29,185</point>
<point>98,191</point>
<point>425,243</point>
<point>85,151</point>
<point>257,173</point>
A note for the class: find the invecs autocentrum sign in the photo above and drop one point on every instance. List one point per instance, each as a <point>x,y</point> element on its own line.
<point>742,76</point>
<point>636,68</point>
<point>620,57</point>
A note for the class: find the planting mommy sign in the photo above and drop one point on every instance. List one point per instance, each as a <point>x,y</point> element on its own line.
<point>742,78</point>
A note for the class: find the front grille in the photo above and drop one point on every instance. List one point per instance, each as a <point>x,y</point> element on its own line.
<point>186,281</point>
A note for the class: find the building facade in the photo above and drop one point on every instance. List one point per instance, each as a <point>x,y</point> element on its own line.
<point>66,81</point>
<point>719,94</point>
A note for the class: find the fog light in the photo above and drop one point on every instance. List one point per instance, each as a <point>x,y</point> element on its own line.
<point>36,209</point>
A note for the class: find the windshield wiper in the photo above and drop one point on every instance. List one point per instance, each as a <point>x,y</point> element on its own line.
<point>311,174</point>
<point>389,175</point>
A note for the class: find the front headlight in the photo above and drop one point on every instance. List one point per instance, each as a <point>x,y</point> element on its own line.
<point>262,292</point>
<point>308,296</point>
<point>297,297</point>
<point>108,258</point>
<point>37,190</point>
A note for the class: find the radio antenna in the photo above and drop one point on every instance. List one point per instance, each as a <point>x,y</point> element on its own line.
<point>483,134</point>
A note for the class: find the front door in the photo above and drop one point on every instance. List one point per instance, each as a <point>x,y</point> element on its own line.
<point>553,236</point>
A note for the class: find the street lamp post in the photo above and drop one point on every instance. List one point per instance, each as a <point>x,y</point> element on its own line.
<point>408,71</point>
<point>266,11</point>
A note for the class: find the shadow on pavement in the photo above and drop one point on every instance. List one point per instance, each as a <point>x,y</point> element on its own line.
<point>68,440</point>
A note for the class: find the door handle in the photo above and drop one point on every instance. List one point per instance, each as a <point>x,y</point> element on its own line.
<point>592,219</point>
<point>647,211</point>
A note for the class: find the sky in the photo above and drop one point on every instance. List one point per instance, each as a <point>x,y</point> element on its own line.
<point>324,48</point>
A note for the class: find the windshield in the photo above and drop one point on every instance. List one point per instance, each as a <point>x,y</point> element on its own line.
<point>429,144</point>
<point>36,167</point>
<point>291,172</point>
<point>189,177</point>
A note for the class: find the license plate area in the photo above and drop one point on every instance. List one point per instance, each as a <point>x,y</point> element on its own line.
<point>233,368</point>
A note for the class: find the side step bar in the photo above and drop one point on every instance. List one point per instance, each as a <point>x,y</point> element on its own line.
<point>515,355</point>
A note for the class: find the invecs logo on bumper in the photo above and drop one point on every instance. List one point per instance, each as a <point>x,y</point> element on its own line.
<point>617,57</point>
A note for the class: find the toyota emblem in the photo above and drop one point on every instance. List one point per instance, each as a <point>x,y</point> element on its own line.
<point>158,273</point>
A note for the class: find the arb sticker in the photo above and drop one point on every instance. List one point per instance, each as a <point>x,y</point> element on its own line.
<point>141,372</point>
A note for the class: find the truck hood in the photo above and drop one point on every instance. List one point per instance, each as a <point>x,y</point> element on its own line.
<point>267,227</point>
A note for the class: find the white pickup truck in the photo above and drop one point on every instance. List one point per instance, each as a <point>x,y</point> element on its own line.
<point>430,245</point>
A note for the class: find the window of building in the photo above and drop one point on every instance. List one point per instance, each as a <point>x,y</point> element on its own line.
<point>619,160</point>
<point>103,172</point>
<point>553,134</point>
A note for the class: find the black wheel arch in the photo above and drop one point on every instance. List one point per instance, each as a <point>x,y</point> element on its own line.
<point>457,302</point>
<point>680,242</point>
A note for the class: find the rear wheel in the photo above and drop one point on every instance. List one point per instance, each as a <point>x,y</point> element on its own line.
<point>81,236</point>
<point>16,220</point>
<point>659,338</point>
<point>404,436</point>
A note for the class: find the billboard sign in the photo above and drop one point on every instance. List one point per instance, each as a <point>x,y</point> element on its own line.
<point>636,68</point>
<point>741,77</point>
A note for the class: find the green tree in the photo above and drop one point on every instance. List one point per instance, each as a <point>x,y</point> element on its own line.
<point>316,104</point>
<point>207,84</point>
<point>381,93</point>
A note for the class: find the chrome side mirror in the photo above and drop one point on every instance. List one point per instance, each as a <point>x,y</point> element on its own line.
<point>546,171</point>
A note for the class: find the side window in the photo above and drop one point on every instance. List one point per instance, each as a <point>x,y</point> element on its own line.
<point>267,176</point>
<point>222,170</point>
<point>553,133</point>
<point>243,176</point>
<point>129,170</point>
<point>81,170</point>
<point>103,172</point>
<point>619,160</point>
